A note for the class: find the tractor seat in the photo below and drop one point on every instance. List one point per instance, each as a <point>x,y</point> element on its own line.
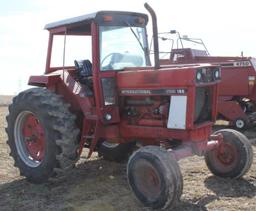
<point>84,67</point>
<point>83,70</point>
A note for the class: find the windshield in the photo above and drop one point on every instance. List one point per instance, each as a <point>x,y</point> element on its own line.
<point>122,46</point>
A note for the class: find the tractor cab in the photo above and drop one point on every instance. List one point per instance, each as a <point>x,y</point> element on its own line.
<point>116,39</point>
<point>92,48</point>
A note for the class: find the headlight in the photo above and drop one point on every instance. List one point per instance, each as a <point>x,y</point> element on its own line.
<point>108,117</point>
<point>199,76</point>
<point>216,73</point>
<point>207,74</point>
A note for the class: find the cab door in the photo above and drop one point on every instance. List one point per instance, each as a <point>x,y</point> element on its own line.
<point>104,83</point>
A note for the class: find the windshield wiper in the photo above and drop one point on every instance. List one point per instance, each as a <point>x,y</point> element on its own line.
<point>136,36</point>
<point>145,49</point>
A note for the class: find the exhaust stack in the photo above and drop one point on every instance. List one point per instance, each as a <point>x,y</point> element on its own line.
<point>155,34</point>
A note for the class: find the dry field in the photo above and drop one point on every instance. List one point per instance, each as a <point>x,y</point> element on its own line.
<point>98,185</point>
<point>5,100</point>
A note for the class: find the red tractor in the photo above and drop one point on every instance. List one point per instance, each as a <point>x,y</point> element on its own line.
<point>117,100</point>
<point>237,90</point>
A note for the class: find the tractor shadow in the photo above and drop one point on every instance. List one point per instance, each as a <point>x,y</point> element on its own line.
<point>92,185</point>
<point>231,188</point>
<point>220,188</point>
<point>99,185</point>
<point>196,204</point>
<point>95,185</point>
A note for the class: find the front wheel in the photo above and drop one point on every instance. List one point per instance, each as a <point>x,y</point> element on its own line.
<point>233,158</point>
<point>155,177</point>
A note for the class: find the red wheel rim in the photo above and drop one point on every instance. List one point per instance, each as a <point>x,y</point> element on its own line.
<point>147,179</point>
<point>34,137</point>
<point>226,154</point>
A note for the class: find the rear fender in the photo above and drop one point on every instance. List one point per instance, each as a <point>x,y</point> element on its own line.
<point>76,95</point>
<point>44,80</point>
<point>64,84</point>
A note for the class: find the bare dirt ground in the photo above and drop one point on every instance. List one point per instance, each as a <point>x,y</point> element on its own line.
<point>5,100</point>
<point>98,185</point>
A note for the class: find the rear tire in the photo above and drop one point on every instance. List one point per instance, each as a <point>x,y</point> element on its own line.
<point>155,177</point>
<point>115,152</point>
<point>234,158</point>
<point>42,135</point>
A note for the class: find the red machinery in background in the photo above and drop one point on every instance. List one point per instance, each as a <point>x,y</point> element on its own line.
<point>237,90</point>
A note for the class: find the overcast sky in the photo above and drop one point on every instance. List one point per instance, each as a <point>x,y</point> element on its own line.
<point>227,27</point>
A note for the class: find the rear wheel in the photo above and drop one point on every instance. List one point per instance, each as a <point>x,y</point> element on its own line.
<point>115,152</point>
<point>233,158</point>
<point>42,135</point>
<point>155,177</point>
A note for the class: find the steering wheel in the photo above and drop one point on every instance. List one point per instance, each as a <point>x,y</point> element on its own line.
<point>115,57</point>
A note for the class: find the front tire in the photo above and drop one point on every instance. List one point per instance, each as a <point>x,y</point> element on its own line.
<point>233,158</point>
<point>155,177</point>
<point>42,135</point>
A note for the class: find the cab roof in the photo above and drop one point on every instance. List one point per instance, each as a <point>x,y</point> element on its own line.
<point>88,18</point>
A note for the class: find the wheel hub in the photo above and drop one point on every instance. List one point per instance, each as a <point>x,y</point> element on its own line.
<point>147,179</point>
<point>226,154</point>
<point>29,138</point>
<point>34,137</point>
<point>240,123</point>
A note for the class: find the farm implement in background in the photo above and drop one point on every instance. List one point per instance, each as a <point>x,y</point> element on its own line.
<point>237,89</point>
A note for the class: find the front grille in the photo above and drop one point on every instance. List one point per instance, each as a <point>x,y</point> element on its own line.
<point>203,105</point>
